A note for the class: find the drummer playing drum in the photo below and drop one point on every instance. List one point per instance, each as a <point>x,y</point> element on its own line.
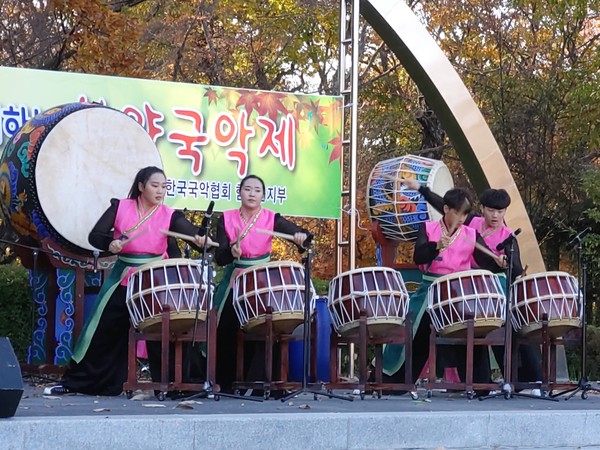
<point>242,244</point>
<point>492,228</point>
<point>443,247</point>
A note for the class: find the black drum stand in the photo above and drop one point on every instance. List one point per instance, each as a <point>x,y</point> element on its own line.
<point>305,389</point>
<point>583,385</point>
<point>506,388</point>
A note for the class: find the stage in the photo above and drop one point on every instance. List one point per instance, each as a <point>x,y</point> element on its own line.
<point>446,420</point>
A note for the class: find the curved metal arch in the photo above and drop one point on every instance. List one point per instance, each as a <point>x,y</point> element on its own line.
<point>429,68</point>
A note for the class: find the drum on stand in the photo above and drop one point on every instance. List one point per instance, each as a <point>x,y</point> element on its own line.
<point>60,170</point>
<point>451,297</point>
<point>177,283</point>
<point>279,285</point>
<point>378,291</point>
<point>398,209</point>
<point>553,293</point>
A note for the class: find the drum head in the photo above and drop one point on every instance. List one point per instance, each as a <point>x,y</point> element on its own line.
<point>87,158</point>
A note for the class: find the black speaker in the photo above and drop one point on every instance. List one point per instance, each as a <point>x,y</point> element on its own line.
<point>11,382</point>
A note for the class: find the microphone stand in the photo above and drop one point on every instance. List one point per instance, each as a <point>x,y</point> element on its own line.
<point>506,389</point>
<point>208,383</point>
<point>583,386</point>
<point>307,260</point>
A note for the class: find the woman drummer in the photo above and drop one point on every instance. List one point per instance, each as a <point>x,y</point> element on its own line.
<point>241,245</point>
<point>490,225</point>
<point>99,362</point>
<point>442,247</point>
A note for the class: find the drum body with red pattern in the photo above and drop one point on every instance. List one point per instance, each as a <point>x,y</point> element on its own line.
<point>177,283</point>
<point>378,291</point>
<point>278,286</point>
<point>452,297</point>
<point>555,294</point>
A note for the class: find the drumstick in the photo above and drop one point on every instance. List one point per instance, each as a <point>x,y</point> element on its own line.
<point>185,237</point>
<point>135,236</point>
<point>480,247</point>
<point>289,237</point>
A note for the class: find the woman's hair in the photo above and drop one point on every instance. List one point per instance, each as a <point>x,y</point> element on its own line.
<point>142,177</point>
<point>458,199</point>
<point>495,198</point>
<point>249,177</point>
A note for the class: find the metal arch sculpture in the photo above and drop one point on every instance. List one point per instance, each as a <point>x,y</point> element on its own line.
<point>429,68</point>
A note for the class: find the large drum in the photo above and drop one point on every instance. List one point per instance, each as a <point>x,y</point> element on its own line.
<point>378,291</point>
<point>279,285</point>
<point>398,209</point>
<point>553,293</point>
<point>451,297</point>
<point>60,170</point>
<point>177,283</point>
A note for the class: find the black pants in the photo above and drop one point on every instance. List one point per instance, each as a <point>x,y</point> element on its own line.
<point>103,370</point>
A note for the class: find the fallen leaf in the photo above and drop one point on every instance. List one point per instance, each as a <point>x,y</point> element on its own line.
<point>141,396</point>
<point>51,397</point>
<point>182,406</point>
<point>304,406</point>
<point>101,409</point>
<point>153,405</point>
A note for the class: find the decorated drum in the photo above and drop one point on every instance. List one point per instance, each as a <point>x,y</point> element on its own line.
<point>60,170</point>
<point>279,286</point>
<point>177,283</point>
<point>478,292</point>
<point>379,292</point>
<point>400,210</point>
<point>553,293</point>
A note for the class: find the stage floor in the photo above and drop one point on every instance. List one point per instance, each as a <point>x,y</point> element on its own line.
<point>35,404</point>
<point>447,420</point>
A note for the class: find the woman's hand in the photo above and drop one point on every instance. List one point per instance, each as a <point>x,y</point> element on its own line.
<point>501,261</point>
<point>443,243</point>
<point>236,250</point>
<point>411,183</point>
<point>115,246</point>
<point>199,241</point>
<point>300,238</point>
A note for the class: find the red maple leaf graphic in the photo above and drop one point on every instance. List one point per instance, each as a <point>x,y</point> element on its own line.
<point>212,95</point>
<point>336,152</point>
<point>249,100</point>
<point>271,104</point>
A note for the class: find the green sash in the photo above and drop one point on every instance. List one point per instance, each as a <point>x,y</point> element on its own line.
<point>393,354</point>
<point>222,290</point>
<point>117,274</point>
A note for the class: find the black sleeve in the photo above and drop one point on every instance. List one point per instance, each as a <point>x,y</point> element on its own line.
<point>180,224</point>
<point>425,250</point>
<point>484,260</point>
<point>283,225</point>
<point>102,234</point>
<point>173,249</point>
<point>223,254</point>
<point>432,198</point>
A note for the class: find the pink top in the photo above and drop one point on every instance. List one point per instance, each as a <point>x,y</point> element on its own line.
<point>457,257</point>
<point>491,237</point>
<point>254,244</point>
<point>153,242</point>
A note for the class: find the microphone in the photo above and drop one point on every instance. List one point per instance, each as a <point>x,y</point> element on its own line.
<point>207,216</point>
<point>508,240</point>
<point>578,238</point>
<point>96,255</point>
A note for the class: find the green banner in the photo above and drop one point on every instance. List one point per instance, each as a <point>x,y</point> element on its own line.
<point>209,137</point>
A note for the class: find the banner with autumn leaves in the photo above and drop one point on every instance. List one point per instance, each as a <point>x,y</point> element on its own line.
<point>208,137</point>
